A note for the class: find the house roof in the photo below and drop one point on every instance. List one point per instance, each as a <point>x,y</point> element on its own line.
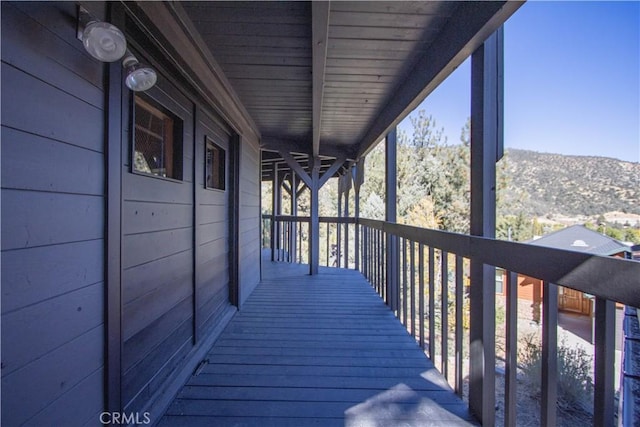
<point>581,239</point>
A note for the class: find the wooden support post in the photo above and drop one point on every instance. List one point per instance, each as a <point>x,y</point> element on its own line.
<point>274,210</point>
<point>338,225</point>
<point>346,226</point>
<point>294,213</point>
<point>393,254</point>
<point>314,231</point>
<point>357,172</point>
<point>486,136</point>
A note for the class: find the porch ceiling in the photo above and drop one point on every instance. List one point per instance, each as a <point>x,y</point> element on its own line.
<point>332,78</point>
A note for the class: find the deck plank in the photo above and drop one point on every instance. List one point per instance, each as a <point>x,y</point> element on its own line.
<point>316,351</point>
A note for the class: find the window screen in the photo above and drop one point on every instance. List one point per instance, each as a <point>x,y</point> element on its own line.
<point>215,166</point>
<point>157,145</point>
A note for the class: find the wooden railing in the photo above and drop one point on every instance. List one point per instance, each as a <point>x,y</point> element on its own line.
<point>423,276</point>
<point>292,238</point>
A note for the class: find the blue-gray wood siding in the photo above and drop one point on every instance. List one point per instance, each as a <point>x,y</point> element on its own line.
<point>52,219</point>
<point>249,218</point>
<point>157,263</point>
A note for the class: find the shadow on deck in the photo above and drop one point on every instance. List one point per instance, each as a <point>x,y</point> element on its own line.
<point>316,351</point>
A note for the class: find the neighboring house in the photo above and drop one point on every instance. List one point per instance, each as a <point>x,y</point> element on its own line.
<point>635,252</point>
<point>574,238</point>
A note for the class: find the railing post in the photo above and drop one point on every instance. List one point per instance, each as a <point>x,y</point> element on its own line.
<point>294,213</point>
<point>486,141</point>
<point>357,173</point>
<point>549,360</point>
<point>338,224</point>
<point>603,396</point>
<point>346,226</point>
<point>314,226</point>
<point>274,209</point>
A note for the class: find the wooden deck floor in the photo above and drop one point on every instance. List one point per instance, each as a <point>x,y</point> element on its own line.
<point>316,351</point>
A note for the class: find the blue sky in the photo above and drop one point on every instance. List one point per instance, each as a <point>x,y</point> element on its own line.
<point>572,81</point>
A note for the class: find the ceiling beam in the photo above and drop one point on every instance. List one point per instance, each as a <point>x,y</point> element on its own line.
<point>470,25</point>
<point>337,164</point>
<point>320,35</point>
<point>293,164</point>
<point>292,146</point>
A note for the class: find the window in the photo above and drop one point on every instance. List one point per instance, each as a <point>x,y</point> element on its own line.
<point>214,167</point>
<point>157,140</point>
<point>500,281</point>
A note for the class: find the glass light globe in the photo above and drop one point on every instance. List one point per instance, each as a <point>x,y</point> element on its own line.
<point>141,79</point>
<point>104,41</point>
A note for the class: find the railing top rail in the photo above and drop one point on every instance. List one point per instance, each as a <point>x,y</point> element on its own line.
<point>613,278</point>
<point>329,219</point>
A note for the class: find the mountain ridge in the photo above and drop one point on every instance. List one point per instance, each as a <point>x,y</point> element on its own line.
<point>549,183</point>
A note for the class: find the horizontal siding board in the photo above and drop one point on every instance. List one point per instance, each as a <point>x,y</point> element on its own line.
<point>209,312</point>
<point>144,342</point>
<point>81,405</point>
<point>210,267</point>
<point>145,217</point>
<point>213,213</point>
<point>34,331</point>
<point>212,197</point>
<point>31,162</point>
<point>60,19</point>
<point>60,116</point>
<point>28,390</point>
<point>215,248</point>
<point>36,219</point>
<point>29,46</point>
<point>174,346</point>
<point>138,249</point>
<point>36,274</point>
<point>142,279</point>
<point>214,232</point>
<point>145,188</point>
<point>145,310</point>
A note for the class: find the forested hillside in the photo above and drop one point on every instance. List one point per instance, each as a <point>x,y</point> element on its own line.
<point>541,184</point>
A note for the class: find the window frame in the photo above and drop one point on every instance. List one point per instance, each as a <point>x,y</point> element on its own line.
<point>207,142</point>
<point>178,136</point>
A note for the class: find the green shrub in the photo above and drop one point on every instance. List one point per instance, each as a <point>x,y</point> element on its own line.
<point>575,384</point>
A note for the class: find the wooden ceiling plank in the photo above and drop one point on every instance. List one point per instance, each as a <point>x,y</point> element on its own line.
<point>320,35</point>
<point>468,27</point>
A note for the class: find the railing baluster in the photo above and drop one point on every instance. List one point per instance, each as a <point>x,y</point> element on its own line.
<point>459,330</point>
<point>603,396</point>
<point>421,290</point>
<point>549,381</point>
<point>383,262</point>
<point>413,289</point>
<point>432,305</point>
<point>444,274</point>
<point>376,260</point>
<point>404,282</point>
<point>511,350</point>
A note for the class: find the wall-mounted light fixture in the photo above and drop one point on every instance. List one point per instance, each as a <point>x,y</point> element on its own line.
<point>139,77</point>
<point>103,41</point>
